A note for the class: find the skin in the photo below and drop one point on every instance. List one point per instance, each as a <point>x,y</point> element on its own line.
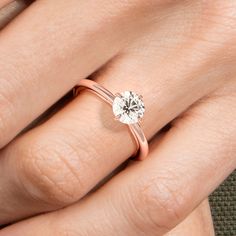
<point>182,64</point>
<point>10,11</point>
<point>198,223</point>
<point>4,3</point>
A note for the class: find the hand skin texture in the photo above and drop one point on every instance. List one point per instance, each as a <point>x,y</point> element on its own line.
<point>198,223</point>
<point>10,10</point>
<point>180,55</point>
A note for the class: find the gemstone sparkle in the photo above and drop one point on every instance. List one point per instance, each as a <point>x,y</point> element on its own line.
<point>128,107</point>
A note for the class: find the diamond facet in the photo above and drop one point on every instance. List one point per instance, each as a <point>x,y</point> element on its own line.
<point>128,107</point>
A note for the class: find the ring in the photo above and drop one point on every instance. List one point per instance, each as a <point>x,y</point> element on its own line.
<point>128,108</point>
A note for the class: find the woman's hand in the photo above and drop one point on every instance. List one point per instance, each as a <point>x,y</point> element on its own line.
<point>180,55</point>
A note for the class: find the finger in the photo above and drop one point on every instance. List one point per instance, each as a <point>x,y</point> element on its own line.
<point>155,195</point>
<point>10,11</point>
<point>199,222</point>
<point>67,44</point>
<point>5,2</point>
<point>69,143</point>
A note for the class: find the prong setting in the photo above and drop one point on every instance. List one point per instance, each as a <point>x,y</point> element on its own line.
<point>128,107</point>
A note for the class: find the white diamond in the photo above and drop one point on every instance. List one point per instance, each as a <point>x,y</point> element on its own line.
<point>128,107</point>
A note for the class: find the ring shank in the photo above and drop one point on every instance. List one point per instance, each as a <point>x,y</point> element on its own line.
<point>108,97</point>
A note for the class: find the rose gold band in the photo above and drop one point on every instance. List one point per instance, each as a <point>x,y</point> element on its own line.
<point>136,131</point>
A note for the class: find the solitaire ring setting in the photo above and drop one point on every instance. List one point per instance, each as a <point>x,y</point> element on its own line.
<point>128,108</point>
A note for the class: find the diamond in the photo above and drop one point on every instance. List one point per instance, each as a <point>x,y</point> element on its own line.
<point>128,107</point>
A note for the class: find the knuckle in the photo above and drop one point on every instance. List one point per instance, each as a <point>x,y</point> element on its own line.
<point>158,203</point>
<point>49,172</point>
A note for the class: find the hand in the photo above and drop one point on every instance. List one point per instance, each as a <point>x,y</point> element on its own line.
<point>184,66</point>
